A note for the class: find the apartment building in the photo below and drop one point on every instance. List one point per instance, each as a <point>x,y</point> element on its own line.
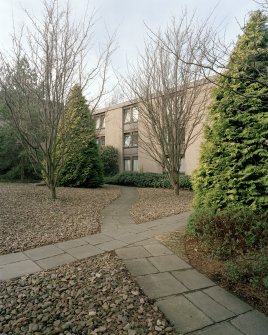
<point>119,126</point>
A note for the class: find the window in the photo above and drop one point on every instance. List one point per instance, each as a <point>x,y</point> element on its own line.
<point>100,121</point>
<point>131,114</point>
<point>101,140</point>
<point>135,164</point>
<point>127,164</point>
<point>131,139</point>
<point>131,164</point>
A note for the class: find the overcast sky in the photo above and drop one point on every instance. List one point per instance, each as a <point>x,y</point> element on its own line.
<point>127,17</point>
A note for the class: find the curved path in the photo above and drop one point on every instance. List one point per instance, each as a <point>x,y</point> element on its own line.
<point>191,301</point>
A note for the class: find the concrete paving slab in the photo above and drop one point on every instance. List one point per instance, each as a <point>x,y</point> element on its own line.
<point>97,239</point>
<point>228,300</point>
<point>252,323</point>
<point>52,262</point>
<point>144,242</point>
<point>84,251</point>
<point>157,249</point>
<point>111,245</point>
<point>140,267</point>
<point>70,244</point>
<point>160,285</point>
<point>193,279</point>
<point>133,252</point>
<point>130,238</point>
<point>43,252</point>
<point>209,306</point>
<point>18,269</point>
<point>223,328</point>
<point>183,314</point>
<point>168,263</point>
<point>148,234</point>
<point>12,258</point>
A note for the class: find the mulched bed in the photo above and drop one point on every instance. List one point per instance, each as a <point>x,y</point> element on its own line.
<point>93,296</point>
<point>197,254</point>
<point>30,218</point>
<point>156,203</point>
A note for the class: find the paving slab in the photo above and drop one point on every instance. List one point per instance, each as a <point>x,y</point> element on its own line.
<point>183,314</point>
<point>130,238</point>
<point>111,245</point>
<point>97,239</point>
<point>43,252</point>
<point>52,262</point>
<point>160,285</point>
<point>252,323</point>
<point>84,251</point>
<point>133,252</point>
<point>157,249</point>
<point>18,269</point>
<point>169,263</point>
<point>209,306</point>
<point>140,266</point>
<point>70,244</point>
<point>222,328</point>
<point>144,242</point>
<point>193,279</point>
<point>228,300</point>
<point>12,258</point>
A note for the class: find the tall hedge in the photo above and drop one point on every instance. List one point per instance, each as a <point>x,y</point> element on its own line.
<point>234,158</point>
<point>82,164</point>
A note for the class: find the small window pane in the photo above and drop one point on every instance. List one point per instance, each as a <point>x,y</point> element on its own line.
<point>127,140</point>
<point>135,139</point>
<point>135,114</point>
<point>102,121</point>
<point>135,164</point>
<point>182,167</point>
<point>102,140</point>
<point>127,116</point>
<point>98,123</point>
<point>127,164</point>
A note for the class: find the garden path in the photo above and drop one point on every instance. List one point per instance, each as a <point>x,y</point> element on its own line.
<point>191,301</point>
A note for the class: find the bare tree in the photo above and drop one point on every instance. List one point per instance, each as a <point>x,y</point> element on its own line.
<point>209,48</point>
<point>47,59</point>
<point>171,98</point>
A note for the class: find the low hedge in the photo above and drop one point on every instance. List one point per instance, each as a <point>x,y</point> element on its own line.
<point>230,232</point>
<point>146,179</point>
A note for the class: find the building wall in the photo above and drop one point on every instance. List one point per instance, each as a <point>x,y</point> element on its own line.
<point>114,135</point>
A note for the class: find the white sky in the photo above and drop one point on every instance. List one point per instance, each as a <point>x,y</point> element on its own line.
<point>127,17</point>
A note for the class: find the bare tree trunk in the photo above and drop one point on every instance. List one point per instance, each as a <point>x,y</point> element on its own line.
<point>171,94</point>
<point>47,60</point>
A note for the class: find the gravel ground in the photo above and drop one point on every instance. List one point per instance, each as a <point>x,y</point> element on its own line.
<point>30,218</point>
<point>93,296</point>
<point>156,203</point>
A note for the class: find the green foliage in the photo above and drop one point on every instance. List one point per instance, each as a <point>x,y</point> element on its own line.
<point>14,163</point>
<point>109,157</point>
<point>251,269</point>
<point>231,231</point>
<point>77,143</point>
<point>146,179</point>
<point>234,158</point>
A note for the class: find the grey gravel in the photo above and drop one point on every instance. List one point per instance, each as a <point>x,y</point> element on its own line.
<point>92,296</point>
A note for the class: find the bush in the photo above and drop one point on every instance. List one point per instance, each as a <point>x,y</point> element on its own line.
<point>251,268</point>
<point>84,169</point>
<point>109,157</point>
<point>146,179</point>
<point>232,231</point>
